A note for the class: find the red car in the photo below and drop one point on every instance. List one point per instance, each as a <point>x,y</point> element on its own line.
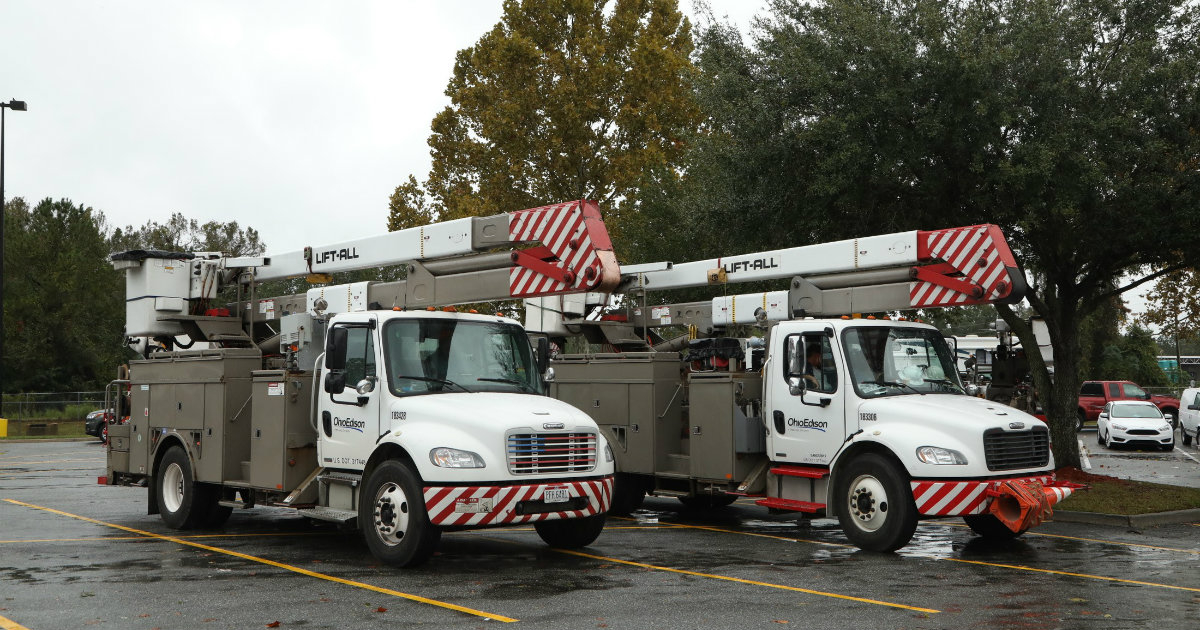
<point>1093,395</point>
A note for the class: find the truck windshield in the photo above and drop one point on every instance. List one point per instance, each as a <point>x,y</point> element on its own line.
<point>890,361</point>
<point>426,356</point>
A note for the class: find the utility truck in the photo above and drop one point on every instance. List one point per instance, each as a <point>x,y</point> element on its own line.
<point>366,404</point>
<point>863,419</point>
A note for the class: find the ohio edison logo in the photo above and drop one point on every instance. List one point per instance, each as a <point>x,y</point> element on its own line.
<point>807,423</point>
<point>349,423</point>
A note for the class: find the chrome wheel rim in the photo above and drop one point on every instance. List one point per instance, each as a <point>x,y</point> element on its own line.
<point>868,502</point>
<point>391,513</point>
<point>172,487</point>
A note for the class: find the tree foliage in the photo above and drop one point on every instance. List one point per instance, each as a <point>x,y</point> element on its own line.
<point>64,304</point>
<point>563,99</point>
<point>181,234</point>
<point>1073,125</point>
<point>1174,304</point>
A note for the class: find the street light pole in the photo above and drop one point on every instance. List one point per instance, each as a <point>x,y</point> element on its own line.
<point>16,106</point>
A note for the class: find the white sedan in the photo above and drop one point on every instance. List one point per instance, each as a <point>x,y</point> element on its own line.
<point>1134,421</point>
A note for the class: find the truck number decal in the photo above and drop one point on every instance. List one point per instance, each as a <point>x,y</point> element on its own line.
<point>867,417</point>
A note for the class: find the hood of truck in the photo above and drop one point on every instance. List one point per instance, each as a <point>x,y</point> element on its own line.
<point>906,423</point>
<point>489,412</point>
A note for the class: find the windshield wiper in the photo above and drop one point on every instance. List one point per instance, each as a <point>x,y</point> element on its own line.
<point>511,381</point>
<point>894,384</point>
<point>944,381</point>
<point>443,381</point>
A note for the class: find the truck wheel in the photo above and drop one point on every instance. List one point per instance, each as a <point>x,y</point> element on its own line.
<point>393,519</point>
<point>990,527</point>
<point>1080,416</point>
<point>628,494</point>
<point>873,501</point>
<point>570,533</point>
<point>178,496</point>
<point>707,501</point>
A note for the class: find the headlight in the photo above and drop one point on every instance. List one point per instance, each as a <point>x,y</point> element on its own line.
<point>608,456</point>
<point>1119,427</point>
<point>1165,427</point>
<point>454,458</point>
<point>938,455</point>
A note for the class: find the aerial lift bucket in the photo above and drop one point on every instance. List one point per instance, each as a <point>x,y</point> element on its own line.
<point>1022,504</point>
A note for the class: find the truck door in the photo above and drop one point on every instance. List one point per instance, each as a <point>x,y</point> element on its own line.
<point>806,398</point>
<point>348,420</point>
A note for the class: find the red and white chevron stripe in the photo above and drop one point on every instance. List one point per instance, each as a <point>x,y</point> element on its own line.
<point>955,498</point>
<point>455,506</point>
<point>979,253</point>
<point>575,236</point>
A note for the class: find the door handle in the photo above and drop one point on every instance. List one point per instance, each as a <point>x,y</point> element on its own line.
<point>778,417</point>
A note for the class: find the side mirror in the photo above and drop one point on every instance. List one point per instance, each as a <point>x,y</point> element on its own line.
<point>548,375</point>
<point>1103,414</point>
<point>795,353</point>
<point>335,349</point>
<point>542,353</point>
<point>972,390</point>
<point>335,382</point>
<point>797,386</point>
<point>1169,416</point>
<point>1194,407</point>
<point>365,386</point>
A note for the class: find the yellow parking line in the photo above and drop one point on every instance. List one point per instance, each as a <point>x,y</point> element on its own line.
<point>744,581</point>
<point>1082,575</point>
<point>190,536</point>
<point>9,624</point>
<point>280,565</point>
<point>1007,566</point>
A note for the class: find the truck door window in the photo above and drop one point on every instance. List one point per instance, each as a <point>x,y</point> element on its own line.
<point>1133,391</point>
<point>819,368</point>
<point>1114,390</point>
<point>1091,389</point>
<point>360,355</point>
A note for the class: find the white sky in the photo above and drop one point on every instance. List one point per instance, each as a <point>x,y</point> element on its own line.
<point>297,118</point>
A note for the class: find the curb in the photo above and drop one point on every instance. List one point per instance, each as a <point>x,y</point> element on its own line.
<point>40,440</point>
<point>1133,521</point>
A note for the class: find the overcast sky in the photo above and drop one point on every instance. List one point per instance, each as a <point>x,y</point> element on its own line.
<point>297,118</point>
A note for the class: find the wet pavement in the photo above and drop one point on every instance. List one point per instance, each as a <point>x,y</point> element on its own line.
<point>74,554</point>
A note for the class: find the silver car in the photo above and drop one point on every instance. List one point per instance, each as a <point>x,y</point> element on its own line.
<point>1134,422</point>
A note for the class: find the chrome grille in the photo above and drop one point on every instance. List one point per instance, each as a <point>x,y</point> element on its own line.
<point>530,453</point>
<point>1008,450</point>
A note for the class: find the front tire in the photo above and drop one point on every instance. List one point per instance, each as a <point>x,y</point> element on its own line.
<point>874,503</point>
<point>990,527</point>
<point>179,499</point>
<point>392,516</point>
<point>571,533</point>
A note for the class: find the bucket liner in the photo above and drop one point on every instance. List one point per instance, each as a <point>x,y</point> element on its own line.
<point>1022,504</point>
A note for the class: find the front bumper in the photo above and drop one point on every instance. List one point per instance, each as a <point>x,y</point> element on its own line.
<point>483,506</point>
<point>960,498</point>
<point>1143,436</point>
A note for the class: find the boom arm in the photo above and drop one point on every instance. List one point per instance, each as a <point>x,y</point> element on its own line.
<point>906,270</point>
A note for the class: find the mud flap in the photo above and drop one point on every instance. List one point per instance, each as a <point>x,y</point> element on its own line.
<point>1021,505</point>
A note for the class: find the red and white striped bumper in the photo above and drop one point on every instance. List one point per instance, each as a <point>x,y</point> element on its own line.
<point>481,506</point>
<point>956,498</point>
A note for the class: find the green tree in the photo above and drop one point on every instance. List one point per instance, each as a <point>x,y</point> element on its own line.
<point>563,99</point>
<point>1133,357</point>
<point>182,234</point>
<point>1073,125</point>
<point>64,306</point>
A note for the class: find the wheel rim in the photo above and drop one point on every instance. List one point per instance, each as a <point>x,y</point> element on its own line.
<point>868,503</point>
<point>391,513</point>
<point>172,487</point>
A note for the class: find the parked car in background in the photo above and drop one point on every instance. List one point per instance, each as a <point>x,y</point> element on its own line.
<point>1134,422</point>
<point>1094,395</point>
<point>1189,415</point>
<point>96,423</point>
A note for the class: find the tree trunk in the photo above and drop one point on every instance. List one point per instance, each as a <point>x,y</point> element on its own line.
<point>1060,394</point>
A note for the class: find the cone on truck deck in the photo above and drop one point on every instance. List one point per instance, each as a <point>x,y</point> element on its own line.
<point>1021,505</point>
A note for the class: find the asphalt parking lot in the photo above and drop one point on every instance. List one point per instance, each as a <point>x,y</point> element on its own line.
<point>74,554</point>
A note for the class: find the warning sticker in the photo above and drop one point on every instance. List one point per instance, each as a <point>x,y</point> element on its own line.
<point>267,307</point>
<point>274,389</point>
<point>661,313</point>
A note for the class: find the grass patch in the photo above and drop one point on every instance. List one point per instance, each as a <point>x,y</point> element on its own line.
<point>1110,495</point>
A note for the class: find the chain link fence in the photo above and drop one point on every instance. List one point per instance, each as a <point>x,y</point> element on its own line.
<point>65,406</point>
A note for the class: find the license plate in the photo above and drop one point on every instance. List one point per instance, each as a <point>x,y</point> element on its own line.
<point>556,495</point>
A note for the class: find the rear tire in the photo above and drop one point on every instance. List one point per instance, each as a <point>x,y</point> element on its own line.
<point>874,503</point>
<point>392,516</point>
<point>1080,417</point>
<point>179,497</point>
<point>990,527</point>
<point>571,533</point>
<point>628,494</point>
